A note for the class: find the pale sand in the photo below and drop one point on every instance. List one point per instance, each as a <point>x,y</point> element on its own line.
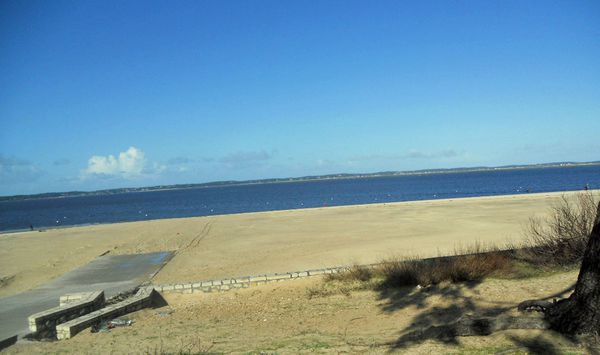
<point>268,242</point>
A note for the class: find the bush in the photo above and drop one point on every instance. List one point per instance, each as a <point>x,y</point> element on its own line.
<point>468,264</point>
<point>458,268</point>
<point>354,273</point>
<point>561,238</point>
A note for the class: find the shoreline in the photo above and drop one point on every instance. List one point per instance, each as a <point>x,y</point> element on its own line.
<point>255,243</point>
<point>48,228</point>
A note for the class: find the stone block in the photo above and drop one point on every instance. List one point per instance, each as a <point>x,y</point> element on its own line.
<point>74,297</point>
<point>258,278</point>
<point>278,277</point>
<point>48,319</point>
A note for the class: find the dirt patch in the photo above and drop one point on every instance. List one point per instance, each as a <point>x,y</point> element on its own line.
<point>6,280</point>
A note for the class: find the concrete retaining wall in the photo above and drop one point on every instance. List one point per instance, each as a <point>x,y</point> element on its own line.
<point>74,297</point>
<point>244,282</point>
<point>48,319</point>
<point>142,299</point>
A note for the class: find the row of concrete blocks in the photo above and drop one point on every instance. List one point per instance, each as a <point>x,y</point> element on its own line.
<point>243,282</point>
<point>142,299</point>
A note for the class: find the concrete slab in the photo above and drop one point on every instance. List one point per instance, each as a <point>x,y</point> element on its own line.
<point>113,274</point>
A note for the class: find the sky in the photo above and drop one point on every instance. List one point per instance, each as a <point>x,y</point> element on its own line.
<point>107,94</point>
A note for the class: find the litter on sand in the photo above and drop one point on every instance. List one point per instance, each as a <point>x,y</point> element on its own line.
<point>106,326</point>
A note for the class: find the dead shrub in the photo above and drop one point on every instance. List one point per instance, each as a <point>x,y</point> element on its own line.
<point>403,272</point>
<point>476,266</point>
<point>354,273</point>
<point>458,268</point>
<point>561,238</point>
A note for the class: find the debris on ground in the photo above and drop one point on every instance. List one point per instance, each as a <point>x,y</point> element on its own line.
<point>121,296</point>
<point>120,323</point>
<point>165,313</point>
<point>106,326</point>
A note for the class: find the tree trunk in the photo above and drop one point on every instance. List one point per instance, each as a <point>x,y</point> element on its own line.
<point>580,313</point>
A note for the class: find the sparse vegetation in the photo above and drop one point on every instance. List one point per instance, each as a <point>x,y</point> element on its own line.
<point>475,264</point>
<point>469,264</point>
<point>562,237</point>
<point>460,268</point>
<point>193,347</point>
<point>354,273</point>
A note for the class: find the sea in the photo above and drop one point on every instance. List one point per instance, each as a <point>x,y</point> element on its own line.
<point>218,200</point>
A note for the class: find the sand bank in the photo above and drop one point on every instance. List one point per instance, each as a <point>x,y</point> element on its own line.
<point>267,242</point>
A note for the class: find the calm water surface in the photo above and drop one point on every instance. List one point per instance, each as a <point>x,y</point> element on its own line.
<point>139,206</point>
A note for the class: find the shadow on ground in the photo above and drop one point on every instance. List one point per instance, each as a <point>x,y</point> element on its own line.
<point>438,323</point>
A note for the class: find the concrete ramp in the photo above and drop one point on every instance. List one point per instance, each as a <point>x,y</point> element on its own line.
<point>113,274</point>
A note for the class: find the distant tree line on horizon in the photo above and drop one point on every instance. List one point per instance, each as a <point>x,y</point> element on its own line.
<point>290,179</point>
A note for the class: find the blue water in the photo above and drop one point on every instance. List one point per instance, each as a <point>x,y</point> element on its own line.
<point>137,206</point>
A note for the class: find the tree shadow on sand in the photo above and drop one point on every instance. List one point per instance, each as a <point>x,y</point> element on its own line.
<point>434,322</point>
<point>446,322</point>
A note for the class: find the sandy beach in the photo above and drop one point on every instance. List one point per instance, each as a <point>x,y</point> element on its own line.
<point>279,241</point>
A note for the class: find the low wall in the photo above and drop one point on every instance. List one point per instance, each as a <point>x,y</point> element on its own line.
<point>142,299</point>
<point>47,320</point>
<point>247,281</point>
<point>74,297</point>
<point>244,282</point>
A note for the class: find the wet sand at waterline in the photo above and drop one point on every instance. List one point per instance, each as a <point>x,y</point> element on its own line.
<point>267,242</point>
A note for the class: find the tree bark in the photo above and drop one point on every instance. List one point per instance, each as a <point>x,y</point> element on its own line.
<point>580,313</point>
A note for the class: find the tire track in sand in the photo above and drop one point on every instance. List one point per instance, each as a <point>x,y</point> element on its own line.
<point>197,239</point>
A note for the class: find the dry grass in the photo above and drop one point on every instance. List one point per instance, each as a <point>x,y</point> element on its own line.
<point>354,273</point>
<point>458,268</point>
<point>469,264</point>
<point>562,237</point>
<point>196,346</point>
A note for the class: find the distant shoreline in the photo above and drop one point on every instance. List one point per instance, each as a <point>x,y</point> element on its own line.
<point>533,195</point>
<point>316,178</point>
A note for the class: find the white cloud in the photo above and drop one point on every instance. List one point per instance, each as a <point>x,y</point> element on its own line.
<point>129,164</point>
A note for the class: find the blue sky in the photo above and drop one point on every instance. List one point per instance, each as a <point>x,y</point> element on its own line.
<point>102,94</point>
